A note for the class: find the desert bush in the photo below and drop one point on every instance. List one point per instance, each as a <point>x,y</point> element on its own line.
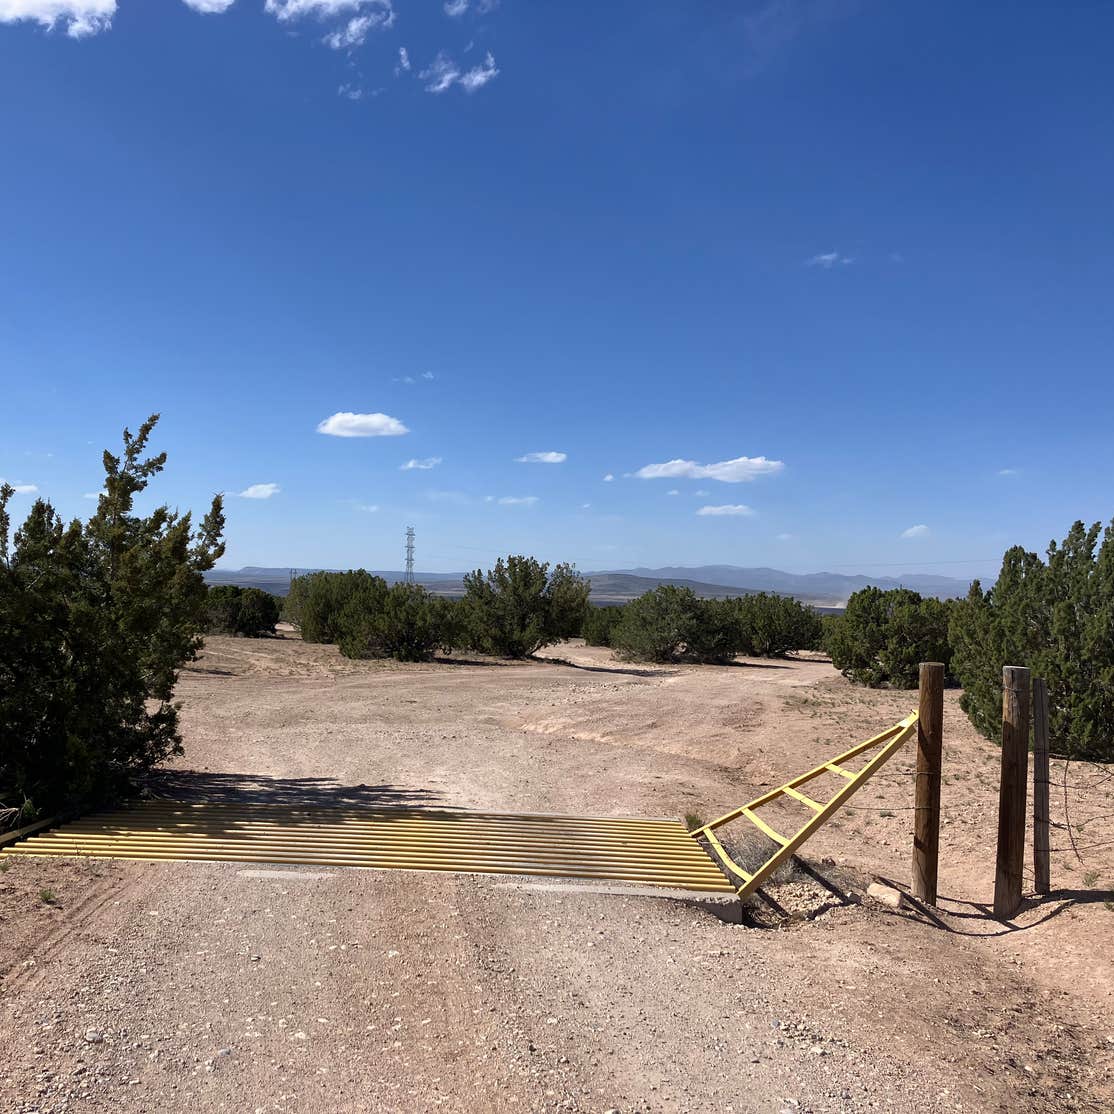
<point>882,637</point>
<point>404,623</point>
<point>250,612</point>
<point>520,606</point>
<point>599,622</point>
<point>1055,616</point>
<point>658,625</point>
<point>322,605</point>
<point>96,619</point>
<point>773,626</point>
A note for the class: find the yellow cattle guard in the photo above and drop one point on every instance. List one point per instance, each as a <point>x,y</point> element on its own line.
<point>656,852</point>
<point>652,852</point>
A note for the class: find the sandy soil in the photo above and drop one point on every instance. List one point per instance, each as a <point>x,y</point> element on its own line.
<point>175,986</point>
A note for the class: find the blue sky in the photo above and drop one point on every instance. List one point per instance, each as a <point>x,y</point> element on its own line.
<point>848,263</point>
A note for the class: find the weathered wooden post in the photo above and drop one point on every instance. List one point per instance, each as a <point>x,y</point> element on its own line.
<point>1013,790</point>
<point>926,812</point>
<point>1040,786</point>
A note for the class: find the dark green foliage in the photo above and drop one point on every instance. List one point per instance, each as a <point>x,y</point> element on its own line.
<point>96,619</point>
<point>599,623</point>
<point>1057,618</point>
<point>883,636</point>
<point>322,605</point>
<point>519,606</point>
<point>776,625</point>
<point>671,623</point>
<point>406,624</point>
<point>657,626</point>
<point>247,611</point>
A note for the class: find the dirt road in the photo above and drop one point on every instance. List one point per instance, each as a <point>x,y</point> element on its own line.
<point>204,987</point>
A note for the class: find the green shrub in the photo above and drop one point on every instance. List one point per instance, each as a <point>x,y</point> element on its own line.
<point>774,626</point>
<point>404,623</point>
<point>96,619</point>
<point>599,622</point>
<point>658,625</point>
<point>1057,618</point>
<point>322,605</point>
<point>883,636</point>
<point>519,606</point>
<point>247,611</point>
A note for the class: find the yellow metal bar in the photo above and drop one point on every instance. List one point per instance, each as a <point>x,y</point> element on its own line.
<point>728,862</point>
<point>761,825</point>
<point>889,741</point>
<point>839,770</point>
<point>789,791</point>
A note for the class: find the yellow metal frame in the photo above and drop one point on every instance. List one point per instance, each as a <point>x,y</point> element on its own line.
<point>888,741</point>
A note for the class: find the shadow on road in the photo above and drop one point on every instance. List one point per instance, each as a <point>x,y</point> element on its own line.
<point>305,792</point>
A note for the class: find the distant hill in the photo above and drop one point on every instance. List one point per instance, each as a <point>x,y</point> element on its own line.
<point>822,589</point>
<point>832,589</point>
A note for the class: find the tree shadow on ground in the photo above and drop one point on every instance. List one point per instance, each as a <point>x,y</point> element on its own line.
<point>194,786</point>
<point>629,671</point>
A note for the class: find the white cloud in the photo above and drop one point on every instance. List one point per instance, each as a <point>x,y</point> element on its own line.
<point>91,495</point>
<point>1007,471</point>
<point>286,10</point>
<point>371,508</point>
<point>24,489</point>
<point>699,492</point>
<point>79,18</point>
<point>423,465</point>
<point>346,424</point>
<point>518,500</point>
<point>727,509</point>
<point>786,537</point>
<point>428,375</point>
<point>742,469</point>
<point>353,33</point>
<point>403,61</point>
<point>209,7</point>
<point>674,491</point>
<point>455,8</point>
<point>828,260</point>
<point>443,73</point>
<point>585,506</point>
<point>542,458</point>
<point>350,92</point>
<point>918,531</point>
<point>478,76</point>
<point>608,478</point>
<point>259,491</point>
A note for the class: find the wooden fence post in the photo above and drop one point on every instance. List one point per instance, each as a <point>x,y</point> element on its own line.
<point>1012,791</point>
<point>926,813</point>
<point>1040,786</point>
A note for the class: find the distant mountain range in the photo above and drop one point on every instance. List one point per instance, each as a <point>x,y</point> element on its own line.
<point>822,589</point>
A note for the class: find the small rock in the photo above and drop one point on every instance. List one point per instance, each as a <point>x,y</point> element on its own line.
<point>94,1036</point>
<point>886,895</point>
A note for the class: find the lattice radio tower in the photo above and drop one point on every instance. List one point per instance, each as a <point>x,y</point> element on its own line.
<point>409,554</point>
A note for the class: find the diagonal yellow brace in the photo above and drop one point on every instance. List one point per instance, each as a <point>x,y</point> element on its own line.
<point>885,744</point>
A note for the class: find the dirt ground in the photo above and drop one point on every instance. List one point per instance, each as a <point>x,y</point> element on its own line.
<point>223,987</point>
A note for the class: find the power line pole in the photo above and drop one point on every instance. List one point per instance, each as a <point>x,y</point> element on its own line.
<point>409,554</point>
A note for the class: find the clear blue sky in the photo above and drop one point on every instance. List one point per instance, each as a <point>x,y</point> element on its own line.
<point>869,241</point>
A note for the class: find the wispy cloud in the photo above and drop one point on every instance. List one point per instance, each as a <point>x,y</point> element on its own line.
<point>91,495</point>
<point>346,424</point>
<point>209,7</point>
<point>608,478</point>
<point>742,469</point>
<point>259,491</point>
<point>455,8</point>
<point>727,509</point>
<point>673,491</point>
<point>423,465</point>
<point>369,508</point>
<point>443,73</point>
<point>1008,472</point>
<point>918,531</point>
<point>355,31</point>
<point>403,61</point>
<point>458,497</point>
<point>518,500</point>
<point>786,537</point>
<point>79,18</point>
<point>350,92</point>
<point>542,458</point>
<point>23,489</point>
<point>829,259</point>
